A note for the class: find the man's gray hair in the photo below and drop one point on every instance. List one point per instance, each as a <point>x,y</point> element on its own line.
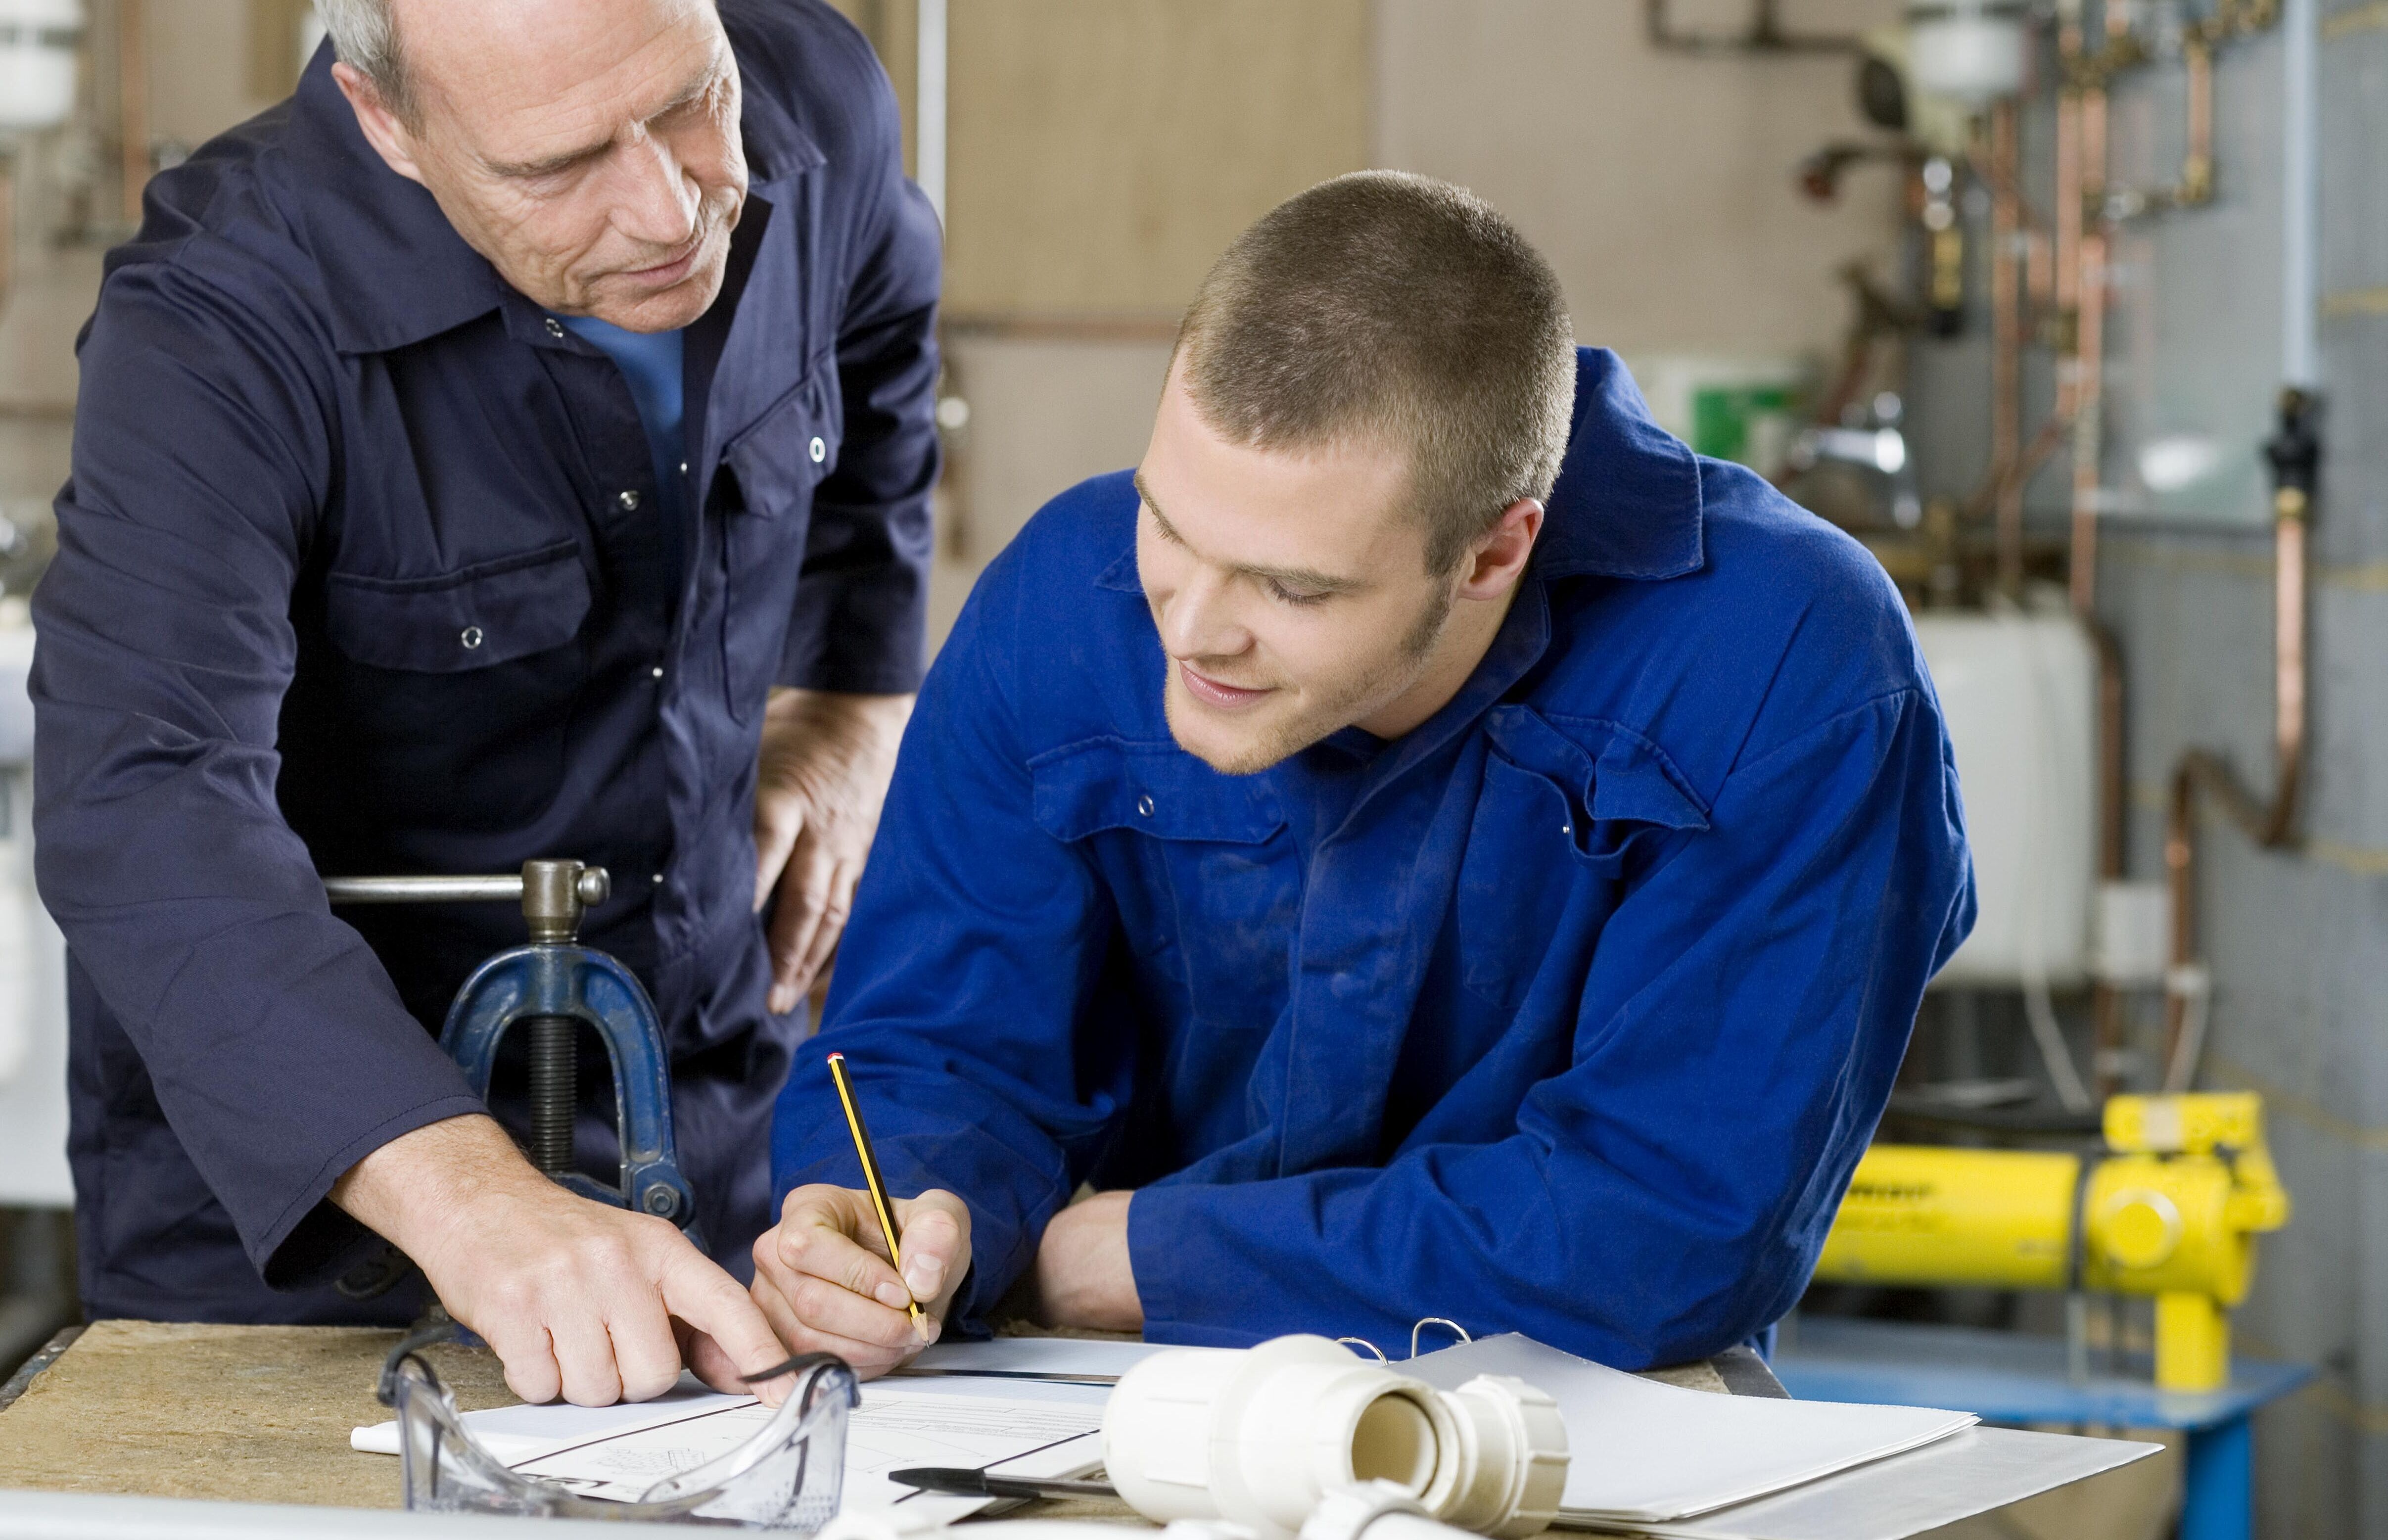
<point>365,35</point>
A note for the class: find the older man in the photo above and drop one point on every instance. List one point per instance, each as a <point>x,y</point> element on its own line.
<point>517,444</point>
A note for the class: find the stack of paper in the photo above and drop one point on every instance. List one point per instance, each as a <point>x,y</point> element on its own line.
<point>1643,1453</point>
<point>1048,1430</point>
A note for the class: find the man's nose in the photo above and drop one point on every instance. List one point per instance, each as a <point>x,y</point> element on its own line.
<point>1199,619</point>
<point>658,200</point>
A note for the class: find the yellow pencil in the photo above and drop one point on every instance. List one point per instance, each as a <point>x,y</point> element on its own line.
<point>870,1177</point>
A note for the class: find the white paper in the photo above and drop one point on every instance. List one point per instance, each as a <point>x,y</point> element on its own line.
<point>1644,1452</point>
<point>1020,1429</point>
<point>1968,1473</point>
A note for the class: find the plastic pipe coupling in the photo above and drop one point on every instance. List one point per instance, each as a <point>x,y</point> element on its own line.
<point>1258,1437</point>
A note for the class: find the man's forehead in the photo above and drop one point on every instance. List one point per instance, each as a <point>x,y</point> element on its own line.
<point>525,77</point>
<point>1336,508</point>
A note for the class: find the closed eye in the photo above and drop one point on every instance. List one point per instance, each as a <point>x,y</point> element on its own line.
<point>1285,595</point>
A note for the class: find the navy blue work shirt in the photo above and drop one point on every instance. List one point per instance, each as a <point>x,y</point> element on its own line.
<point>363,569</point>
<point>1567,1012</point>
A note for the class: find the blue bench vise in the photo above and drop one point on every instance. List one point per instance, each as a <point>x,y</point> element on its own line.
<point>549,987</point>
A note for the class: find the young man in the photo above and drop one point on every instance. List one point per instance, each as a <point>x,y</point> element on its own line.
<point>1426,844</point>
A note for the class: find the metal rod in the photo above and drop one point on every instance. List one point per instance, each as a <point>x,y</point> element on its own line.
<point>424,890</point>
<point>555,1091</point>
<point>929,105</point>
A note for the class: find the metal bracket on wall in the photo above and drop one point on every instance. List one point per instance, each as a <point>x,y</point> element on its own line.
<point>1765,34</point>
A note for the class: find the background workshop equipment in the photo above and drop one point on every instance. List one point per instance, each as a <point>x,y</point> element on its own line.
<point>2071,310</point>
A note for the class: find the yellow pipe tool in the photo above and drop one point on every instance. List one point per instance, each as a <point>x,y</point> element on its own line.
<point>2170,1209</point>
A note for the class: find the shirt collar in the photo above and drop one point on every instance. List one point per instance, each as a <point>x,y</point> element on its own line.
<point>396,272</point>
<point>1628,500</point>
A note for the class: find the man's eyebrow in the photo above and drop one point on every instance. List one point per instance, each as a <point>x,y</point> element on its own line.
<point>1291,577</point>
<point>547,165</point>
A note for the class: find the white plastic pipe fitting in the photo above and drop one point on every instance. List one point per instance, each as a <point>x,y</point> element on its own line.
<point>1260,1437</point>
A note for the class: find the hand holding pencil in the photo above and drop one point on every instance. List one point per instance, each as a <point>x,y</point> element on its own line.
<point>829,1277</point>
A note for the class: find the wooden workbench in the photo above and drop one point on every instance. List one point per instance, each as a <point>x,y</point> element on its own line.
<point>261,1414</point>
<point>247,1413</point>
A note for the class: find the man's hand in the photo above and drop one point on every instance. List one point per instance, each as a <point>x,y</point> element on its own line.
<point>823,1276</point>
<point>821,778</point>
<point>1085,1276</point>
<point>596,1304</point>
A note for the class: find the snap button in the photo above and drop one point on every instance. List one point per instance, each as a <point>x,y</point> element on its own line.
<point>819,449</point>
<point>1144,805</point>
<point>555,328</point>
<point>472,637</point>
<point>659,671</point>
<point>628,500</point>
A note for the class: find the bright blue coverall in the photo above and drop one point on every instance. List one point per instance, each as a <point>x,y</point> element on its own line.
<point>1567,1012</point>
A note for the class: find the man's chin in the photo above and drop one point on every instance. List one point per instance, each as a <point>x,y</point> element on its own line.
<point>621,301</point>
<point>1259,744</point>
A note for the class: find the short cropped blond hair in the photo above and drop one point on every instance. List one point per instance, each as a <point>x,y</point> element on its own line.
<point>1395,309</point>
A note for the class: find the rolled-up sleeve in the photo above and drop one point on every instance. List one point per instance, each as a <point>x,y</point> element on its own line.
<point>861,607</point>
<point>275,1041</point>
<point>1666,1194</point>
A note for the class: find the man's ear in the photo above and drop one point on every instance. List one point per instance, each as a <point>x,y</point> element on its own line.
<point>1497,560</point>
<point>382,127</point>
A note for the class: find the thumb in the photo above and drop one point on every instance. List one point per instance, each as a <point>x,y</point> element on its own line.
<point>936,1247</point>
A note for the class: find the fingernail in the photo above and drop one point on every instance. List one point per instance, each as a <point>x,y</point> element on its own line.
<point>892,1296</point>
<point>922,1279</point>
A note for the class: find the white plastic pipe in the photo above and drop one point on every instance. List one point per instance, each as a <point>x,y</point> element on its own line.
<point>1260,1437</point>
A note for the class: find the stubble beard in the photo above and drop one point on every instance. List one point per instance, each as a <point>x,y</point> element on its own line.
<point>1352,699</point>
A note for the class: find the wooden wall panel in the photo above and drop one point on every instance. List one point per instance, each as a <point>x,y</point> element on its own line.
<point>1101,152</point>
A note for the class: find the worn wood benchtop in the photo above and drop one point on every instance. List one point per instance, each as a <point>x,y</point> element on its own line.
<point>248,1413</point>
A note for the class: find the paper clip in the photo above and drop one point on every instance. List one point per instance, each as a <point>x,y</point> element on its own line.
<point>1456,1330</point>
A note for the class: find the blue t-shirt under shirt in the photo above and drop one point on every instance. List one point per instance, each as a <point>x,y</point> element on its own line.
<point>650,363</point>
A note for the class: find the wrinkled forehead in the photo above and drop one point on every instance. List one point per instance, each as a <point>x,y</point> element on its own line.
<point>521,79</point>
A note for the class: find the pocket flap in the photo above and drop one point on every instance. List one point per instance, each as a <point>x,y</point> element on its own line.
<point>1630,778</point>
<point>1157,789</point>
<point>484,615</point>
<point>790,449</point>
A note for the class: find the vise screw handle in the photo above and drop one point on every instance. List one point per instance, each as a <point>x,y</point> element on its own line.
<point>554,894</point>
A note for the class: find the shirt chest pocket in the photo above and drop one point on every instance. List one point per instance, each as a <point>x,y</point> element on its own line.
<point>779,463</point>
<point>1194,860</point>
<point>1563,824</point>
<point>461,684</point>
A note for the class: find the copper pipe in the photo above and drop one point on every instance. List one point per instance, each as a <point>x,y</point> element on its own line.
<point>2068,202</point>
<point>132,105</point>
<point>2197,166</point>
<point>2006,346</point>
<point>2105,1001</point>
<point>2270,824</point>
<point>2090,347</point>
